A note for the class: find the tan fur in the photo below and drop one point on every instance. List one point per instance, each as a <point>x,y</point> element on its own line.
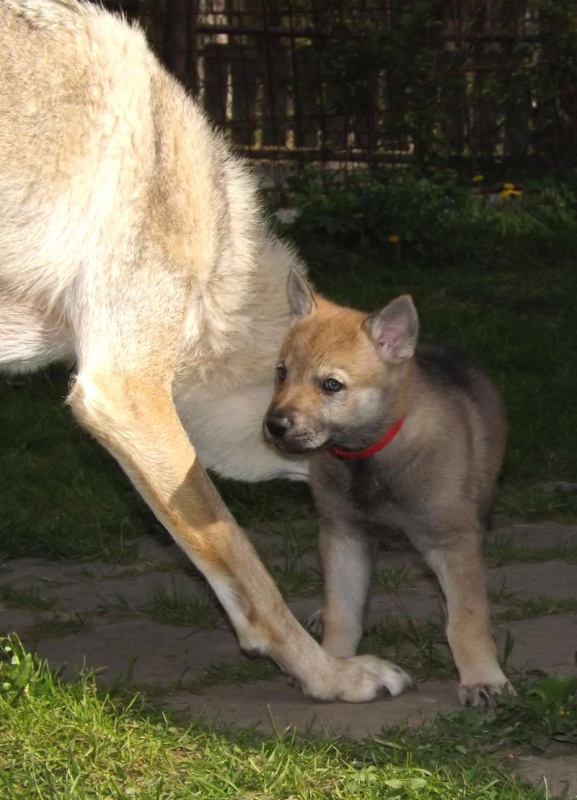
<point>130,243</point>
<point>435,479</point>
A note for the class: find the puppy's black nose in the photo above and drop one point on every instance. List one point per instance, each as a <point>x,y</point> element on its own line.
<point>277,425</point>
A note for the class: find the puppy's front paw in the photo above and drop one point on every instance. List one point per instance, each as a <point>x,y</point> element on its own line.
<point>481,695</point>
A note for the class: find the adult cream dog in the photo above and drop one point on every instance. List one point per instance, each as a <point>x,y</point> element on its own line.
<point>398,435</point>
<point>130,242</point>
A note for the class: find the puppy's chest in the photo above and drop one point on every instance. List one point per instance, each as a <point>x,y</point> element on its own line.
<point>371,490</point>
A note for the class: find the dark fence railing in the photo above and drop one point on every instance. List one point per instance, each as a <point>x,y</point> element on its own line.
<point>457,82</point>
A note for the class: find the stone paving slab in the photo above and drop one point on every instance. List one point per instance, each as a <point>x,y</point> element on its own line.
<point>548,644</point>
<point>132,592</point>
<point>14,619</point>
<point>555,774</point>
<point>553,579</point>
<point>275,705</point>
<point>25,573</point>
<point>419,605</point>
<point>147,652</point>
<point>537,534</point>
<point>116,637</point>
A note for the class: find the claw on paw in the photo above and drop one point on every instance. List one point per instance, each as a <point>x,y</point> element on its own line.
<point>483,695</point>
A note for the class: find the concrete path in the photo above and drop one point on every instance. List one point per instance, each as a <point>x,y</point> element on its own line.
<point>102,617</point>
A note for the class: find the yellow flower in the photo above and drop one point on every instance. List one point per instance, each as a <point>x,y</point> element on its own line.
<point>505,193</point>
<point>508,186</point>
<point>478,178</point>
<point>394,239</point>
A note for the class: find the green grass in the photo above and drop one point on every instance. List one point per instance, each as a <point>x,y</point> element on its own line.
<point>246,670</point>
<point>505,551</point>
<point>25,599</point>
<point>393,579</point>
<point>266,504</point>
<point>62,495</point>
<point>181,607</point>
<point>528,607</point>
<point>58,626</point>
<point>420,648</point>
<point>529,502</point>
<point>69,740</point>
<point>296,580</point>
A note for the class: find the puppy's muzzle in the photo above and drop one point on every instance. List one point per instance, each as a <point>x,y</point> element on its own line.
<point>277,425</point>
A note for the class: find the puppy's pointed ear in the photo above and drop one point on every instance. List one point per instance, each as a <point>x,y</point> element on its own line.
<point>394,329</point>
<point>301,297</point>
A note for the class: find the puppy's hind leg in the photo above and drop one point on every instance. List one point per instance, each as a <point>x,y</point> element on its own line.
<point>459,568</point>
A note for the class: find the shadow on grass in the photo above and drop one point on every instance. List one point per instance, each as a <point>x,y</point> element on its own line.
<point>71,740</point>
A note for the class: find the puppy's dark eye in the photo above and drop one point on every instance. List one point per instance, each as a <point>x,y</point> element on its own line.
<point>281,373</point>
<point>332,385</point>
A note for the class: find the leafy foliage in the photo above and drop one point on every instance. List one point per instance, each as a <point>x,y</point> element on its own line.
<point>435,221</point>
<point>17,668</point>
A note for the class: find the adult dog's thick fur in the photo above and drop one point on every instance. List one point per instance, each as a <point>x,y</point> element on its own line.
<point>344,379</point>
<point>130,242</point>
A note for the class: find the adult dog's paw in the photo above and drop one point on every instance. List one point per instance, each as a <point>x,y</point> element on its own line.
<point>360,679</point>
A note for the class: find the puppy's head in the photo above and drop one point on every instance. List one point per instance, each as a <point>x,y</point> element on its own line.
<point>340,373</point>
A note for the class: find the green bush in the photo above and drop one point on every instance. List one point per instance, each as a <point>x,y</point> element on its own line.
<point>436,221</point>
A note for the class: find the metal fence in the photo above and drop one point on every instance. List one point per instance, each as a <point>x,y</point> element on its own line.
<point>457,82</point>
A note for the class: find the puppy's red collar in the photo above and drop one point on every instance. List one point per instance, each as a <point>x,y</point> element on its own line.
<point>388,436</point>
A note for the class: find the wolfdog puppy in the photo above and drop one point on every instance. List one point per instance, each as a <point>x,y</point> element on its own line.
<point>131,244</point>
<point>398,435</point>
